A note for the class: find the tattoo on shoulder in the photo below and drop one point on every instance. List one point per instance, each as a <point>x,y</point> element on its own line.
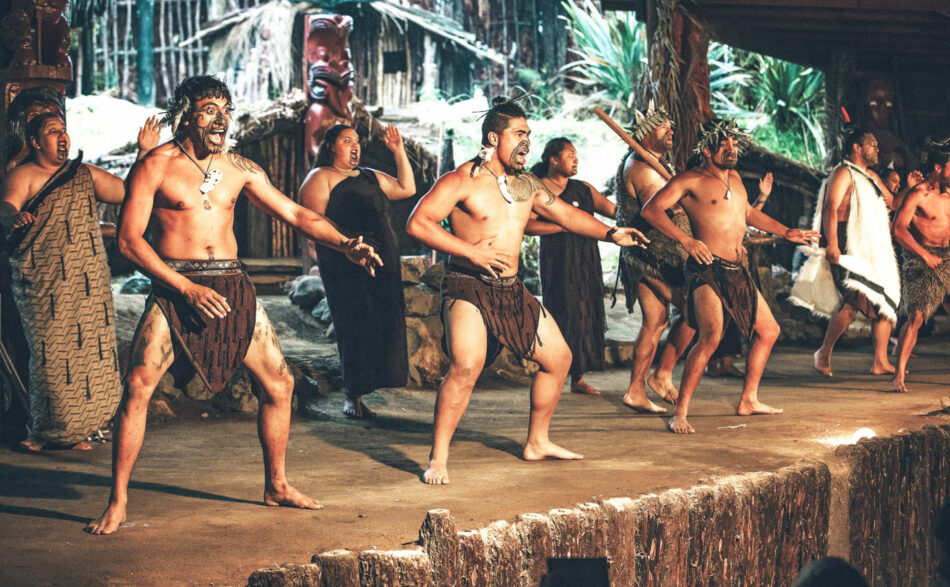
<point>245,164</point>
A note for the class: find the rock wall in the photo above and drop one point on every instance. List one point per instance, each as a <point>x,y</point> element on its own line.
<point>753,529</point>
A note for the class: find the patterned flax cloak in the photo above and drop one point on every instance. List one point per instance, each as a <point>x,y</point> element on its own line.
<point>572,286</point>
<point>868,265</point>
<point>369,313</point>
<point>61,287</point>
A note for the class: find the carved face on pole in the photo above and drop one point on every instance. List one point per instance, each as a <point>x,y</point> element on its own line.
<point>327,53</point>
<point>880,102</point>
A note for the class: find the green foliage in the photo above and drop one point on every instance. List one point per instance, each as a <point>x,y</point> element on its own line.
<point>545,93</point>
<point>612,52</point>
<point>779,102</point>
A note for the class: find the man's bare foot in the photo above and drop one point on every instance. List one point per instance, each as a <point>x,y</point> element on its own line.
<point>436,474</point>
<point>109,521</point>
<point>664,388</point>
<point>679,425</point>
<point>538,451</point>
<point>882,369</point>
<point>581,386</point>
<point>640,403</point>
<point>356,409</point>
<point>822,363</point>
<point>285,495</point>
<point>756,408</point>
<point>898,385</point>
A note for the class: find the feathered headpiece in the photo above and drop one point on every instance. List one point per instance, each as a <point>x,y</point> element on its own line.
<point>714,131</point>
<point>645,122</point>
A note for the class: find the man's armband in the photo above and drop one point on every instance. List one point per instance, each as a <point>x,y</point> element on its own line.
<point>610,232</point>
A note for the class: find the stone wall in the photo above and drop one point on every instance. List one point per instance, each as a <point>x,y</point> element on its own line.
<point>873,503</point>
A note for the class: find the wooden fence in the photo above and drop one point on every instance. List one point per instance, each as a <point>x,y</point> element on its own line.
<point>105,57</point>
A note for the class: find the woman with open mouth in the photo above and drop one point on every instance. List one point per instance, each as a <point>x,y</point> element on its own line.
<point>368,312</point>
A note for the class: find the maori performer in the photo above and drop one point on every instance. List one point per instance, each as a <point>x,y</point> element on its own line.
<point>922,227</point>
<point>488,202</point>
<point>572,281</point>
<point>61,284</point>
<point>718,284</point>
<point>369,313</point>
<point>203,306</point>
<point>652,277</point>
<point>856,270</point>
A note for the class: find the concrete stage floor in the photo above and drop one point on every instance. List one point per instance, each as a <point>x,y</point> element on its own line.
<point>195,514</point>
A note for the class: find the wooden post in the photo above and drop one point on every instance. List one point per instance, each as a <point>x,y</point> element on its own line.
<point>145,47</point>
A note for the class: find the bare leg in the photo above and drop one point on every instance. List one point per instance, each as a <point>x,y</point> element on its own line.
<point>836,327</point>
<point>466,339</point>
<point>880,335</point>
<point>766,333</point>
<point>268,366</point>
<point>709,313</point>
<point>908,339</point>
<point>661,380</point>
<point>151,356</point>
<point>554,358</point>
<point>654,312</point>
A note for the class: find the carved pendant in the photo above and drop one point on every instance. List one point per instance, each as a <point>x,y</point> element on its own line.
<point>728,194</point>
<point>212,178</point>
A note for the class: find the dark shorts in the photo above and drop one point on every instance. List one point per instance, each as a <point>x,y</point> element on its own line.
<point>509,311</point>
<point>215,347</point>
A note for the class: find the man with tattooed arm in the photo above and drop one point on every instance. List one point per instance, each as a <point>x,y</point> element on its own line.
<point>203,305</point>
<point>488,202</point>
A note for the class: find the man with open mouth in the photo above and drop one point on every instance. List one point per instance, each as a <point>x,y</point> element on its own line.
<point>488,202</point>
<point>203,305</point>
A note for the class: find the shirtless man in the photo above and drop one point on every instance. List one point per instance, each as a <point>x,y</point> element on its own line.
<point>718,280</point>
<point>488,202</point>
<point>922,227</point>
<point>653,275</point>
<point>189,187</point>
<point>854,177</point>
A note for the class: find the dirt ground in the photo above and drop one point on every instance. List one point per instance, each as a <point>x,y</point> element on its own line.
<point>196,516</point>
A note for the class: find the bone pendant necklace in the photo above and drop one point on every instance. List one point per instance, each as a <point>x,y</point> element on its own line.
<point>211,177</point>
<point>728,185</point>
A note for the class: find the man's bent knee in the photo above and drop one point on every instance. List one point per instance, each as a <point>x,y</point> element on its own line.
<point>465,372</point>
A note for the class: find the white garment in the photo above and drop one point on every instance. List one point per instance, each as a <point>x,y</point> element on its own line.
<point>869,261</point>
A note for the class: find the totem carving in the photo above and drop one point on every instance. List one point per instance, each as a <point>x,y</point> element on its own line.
<point>37,33</point>
<point>328,75</point>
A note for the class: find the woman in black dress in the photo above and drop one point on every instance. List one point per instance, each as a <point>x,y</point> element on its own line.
<point>572,281</point>
<point>368,311</point>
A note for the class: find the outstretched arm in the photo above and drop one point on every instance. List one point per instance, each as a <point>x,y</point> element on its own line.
<point>433,208</point>
<point>316,226</point>
<point>580,222</point>
<point>538,227</point>
<point>758,219</point>
<point>404,185</point>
